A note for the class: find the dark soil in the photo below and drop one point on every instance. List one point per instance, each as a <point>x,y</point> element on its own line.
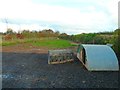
<point>31,70</point>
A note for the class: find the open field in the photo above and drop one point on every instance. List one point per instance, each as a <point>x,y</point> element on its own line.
<point>46,42</point>
<point>26,66</point>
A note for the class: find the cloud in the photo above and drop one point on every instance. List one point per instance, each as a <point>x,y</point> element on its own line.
<point>82,15</point>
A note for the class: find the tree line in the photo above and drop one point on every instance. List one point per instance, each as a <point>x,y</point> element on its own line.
<point>97,38</point>
<point>84,38</point>
<point>11,35</point>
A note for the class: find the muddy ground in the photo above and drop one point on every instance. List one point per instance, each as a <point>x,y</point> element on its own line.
<point>29,68</point>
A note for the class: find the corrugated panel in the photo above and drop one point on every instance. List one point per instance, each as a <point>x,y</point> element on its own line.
<point>100,58</point>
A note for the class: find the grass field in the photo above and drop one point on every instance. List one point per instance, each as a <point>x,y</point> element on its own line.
<point>46,42</point>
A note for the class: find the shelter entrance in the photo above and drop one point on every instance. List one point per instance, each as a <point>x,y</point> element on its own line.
<point>83,56</point>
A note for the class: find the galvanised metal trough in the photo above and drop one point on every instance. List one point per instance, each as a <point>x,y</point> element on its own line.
<point>60,56</point>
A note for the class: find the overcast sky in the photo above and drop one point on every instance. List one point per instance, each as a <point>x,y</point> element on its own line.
<point>69,16</point>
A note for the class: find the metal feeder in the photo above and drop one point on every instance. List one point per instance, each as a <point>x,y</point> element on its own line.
<point>60,56</point>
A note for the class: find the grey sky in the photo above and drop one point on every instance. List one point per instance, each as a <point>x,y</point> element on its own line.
<point>70,16</point>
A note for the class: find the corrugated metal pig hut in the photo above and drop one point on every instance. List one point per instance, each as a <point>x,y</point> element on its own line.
<point>97,57</point>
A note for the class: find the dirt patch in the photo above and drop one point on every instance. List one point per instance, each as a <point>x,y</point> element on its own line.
<point>26,48</point>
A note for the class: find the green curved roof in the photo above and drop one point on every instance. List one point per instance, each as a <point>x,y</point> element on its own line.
<point>100,57</point>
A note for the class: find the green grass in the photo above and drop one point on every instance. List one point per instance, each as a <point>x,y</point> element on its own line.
<point>53,43</point>
<point>14,42</point>
<point>45,42</point>
<point>8,43</point>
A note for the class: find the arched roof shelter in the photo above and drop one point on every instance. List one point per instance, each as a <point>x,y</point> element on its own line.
<point>97,57</point>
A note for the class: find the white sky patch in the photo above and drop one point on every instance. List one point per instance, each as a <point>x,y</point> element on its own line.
<point>114,10</point>
<point>30,11</point>
<point>21,27</point>
<point>3,27</point>
<point>112,7</point>
<point>89,20</point>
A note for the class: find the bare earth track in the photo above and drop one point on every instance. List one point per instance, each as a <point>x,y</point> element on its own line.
<point>27,67</point>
